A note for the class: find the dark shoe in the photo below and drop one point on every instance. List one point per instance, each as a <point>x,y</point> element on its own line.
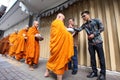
<point>69,68</point>
<point>92,74</point>
<point>74,72</point>
<point>101,77</point>
<point>35,66</point>
<point>13,57</point>
<point>22,60</point>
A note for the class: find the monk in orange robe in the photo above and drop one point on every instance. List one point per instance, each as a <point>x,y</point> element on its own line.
<point>1,45</point>
<point>61,48</point>
<point>21,44</point>
<point>13,43</point>
<point>33,47</point>
<point>6,46</point>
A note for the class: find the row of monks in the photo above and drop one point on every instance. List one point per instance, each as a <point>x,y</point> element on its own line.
<point>23,44</point>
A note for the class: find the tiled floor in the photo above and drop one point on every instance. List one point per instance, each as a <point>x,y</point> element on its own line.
<point>11,69</point>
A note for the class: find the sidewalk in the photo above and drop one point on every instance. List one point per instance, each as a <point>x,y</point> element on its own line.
<point>14,70</point>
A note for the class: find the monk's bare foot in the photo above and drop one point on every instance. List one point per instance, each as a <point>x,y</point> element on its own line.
<point>25,61</point>
<point>31,68</point>
<point>46,74</point>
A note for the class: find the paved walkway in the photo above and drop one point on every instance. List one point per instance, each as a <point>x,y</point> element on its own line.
<point>14,70</point>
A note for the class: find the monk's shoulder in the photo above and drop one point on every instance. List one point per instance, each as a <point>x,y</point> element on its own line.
<point>12,34</point>
<point>30,29</point>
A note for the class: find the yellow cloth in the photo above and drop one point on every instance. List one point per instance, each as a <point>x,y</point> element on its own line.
<point>61,48</point>
<point>33,47</point>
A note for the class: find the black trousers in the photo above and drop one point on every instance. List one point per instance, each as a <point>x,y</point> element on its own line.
<point>99,49</point>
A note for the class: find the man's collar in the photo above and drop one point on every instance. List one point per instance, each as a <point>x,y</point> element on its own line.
<point>89,20</point>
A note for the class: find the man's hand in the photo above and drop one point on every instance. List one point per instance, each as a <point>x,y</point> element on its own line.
<point>74,33</point>
<point>25,37</point>
<point>76,29</point>
<point>11,44</point>
<point>70,26</point>
<point>91,36</point>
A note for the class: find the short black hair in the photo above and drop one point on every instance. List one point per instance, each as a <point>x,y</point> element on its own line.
<point>71,18</point>
<point>87,12</point>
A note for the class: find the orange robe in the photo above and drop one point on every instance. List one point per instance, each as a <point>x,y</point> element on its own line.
<point>61,48</point>
<point>13,44</point>
<point>21,44</point>
<point>1,45</point>
<point>33,47</point>
<point>6,45</point>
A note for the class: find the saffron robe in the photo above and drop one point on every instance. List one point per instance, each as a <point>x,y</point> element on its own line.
<point>21,44</point>
<point>61,47</point>
<point>13,44</point>
<point>33,47</point>
<point>1,45</point>
<point>6,45</point>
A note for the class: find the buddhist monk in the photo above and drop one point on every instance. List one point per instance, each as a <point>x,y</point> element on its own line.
<point>21,43</point>
<point>13,43</point>
<point>6,46</point>
<point>33,47</point>
<point>1,45</point>
<point>61,48</point>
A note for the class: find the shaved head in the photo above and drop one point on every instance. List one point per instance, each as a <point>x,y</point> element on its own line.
<point>26,27</point>
<point>60,16</point>
<point>16,30</point>
<point>36,23</point>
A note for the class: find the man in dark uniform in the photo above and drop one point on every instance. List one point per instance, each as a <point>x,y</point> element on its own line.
<point>93,28</point>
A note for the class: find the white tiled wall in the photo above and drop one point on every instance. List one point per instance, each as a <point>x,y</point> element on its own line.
<point>18,26</point>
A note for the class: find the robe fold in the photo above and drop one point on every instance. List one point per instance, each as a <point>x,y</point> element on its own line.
<point>13,44</point>
<point>21,44</point>
<point>61,47</point>
<point>33,47</point>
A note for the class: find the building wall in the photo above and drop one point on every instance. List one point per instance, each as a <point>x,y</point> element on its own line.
<point>17,26</point>
<point>108,11</point>
<point>44,45</point>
